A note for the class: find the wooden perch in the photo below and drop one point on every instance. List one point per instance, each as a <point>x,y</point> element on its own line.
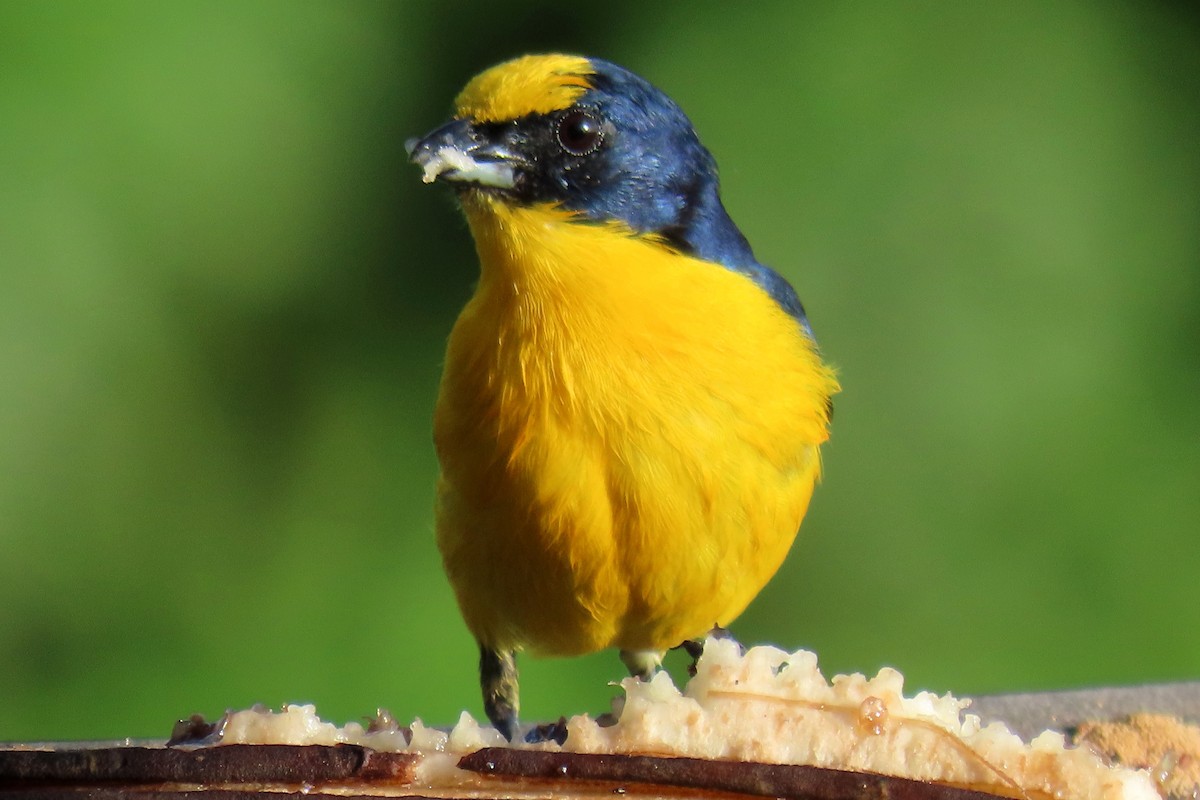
<point>1164,743</point>
<point>319,771</point>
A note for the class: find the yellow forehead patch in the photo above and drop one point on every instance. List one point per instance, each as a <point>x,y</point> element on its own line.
<point>525,85</point>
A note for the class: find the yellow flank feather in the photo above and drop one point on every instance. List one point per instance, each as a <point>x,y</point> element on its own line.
<point>522,86</point>
<point>628,435</point>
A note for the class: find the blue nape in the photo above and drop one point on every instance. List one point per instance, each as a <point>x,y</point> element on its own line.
<point>656,176</point>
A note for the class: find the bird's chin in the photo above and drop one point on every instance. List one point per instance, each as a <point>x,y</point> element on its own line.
<point>481,195</point>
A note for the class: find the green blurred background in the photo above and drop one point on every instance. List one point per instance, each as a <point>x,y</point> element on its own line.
<point>224,294</point>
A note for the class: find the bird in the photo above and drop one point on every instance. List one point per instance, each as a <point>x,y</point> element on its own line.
<point>631,407</point>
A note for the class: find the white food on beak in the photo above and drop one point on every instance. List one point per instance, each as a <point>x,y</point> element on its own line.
<point>457,165</point>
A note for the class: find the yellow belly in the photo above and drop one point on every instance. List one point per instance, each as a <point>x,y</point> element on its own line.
<point>628,438</point>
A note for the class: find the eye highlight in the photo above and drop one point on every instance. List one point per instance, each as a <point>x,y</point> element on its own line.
<point>580,133</point>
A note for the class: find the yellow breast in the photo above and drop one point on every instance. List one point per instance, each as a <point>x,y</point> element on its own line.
<point>628,437</point>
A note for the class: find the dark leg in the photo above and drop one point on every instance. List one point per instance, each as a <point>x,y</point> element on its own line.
<point>695,647</point>
<point>498,679</point>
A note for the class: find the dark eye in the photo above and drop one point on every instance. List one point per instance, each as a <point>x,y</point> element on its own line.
<point>580,133</point>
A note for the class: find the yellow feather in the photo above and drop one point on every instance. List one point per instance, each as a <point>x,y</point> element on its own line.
<point>628,436</point>
<point>526,85</point>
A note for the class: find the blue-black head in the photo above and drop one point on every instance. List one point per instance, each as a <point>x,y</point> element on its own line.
<point>595,138</point>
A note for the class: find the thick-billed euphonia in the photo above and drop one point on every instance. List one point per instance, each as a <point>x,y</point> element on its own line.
<point>631,409</point>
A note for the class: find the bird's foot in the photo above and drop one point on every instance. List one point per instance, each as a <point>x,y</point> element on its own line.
<point>548,732</point>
